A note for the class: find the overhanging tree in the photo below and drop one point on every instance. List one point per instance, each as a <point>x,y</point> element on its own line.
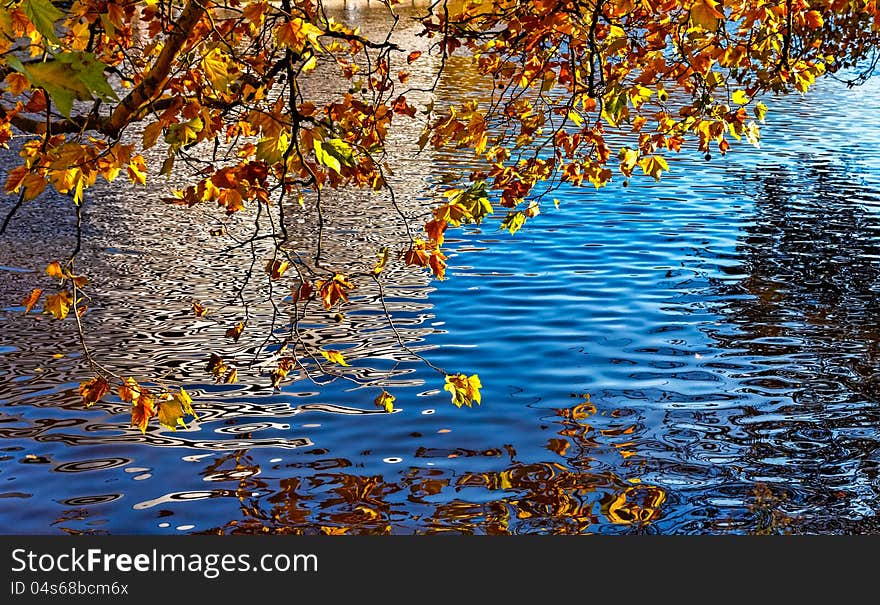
<point>579,92</point>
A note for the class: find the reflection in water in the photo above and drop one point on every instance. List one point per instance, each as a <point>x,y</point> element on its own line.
<point>564,496</point>
<point>801,331</point>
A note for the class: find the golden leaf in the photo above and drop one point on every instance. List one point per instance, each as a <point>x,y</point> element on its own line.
<point>465,389</point>
<point>334,357</point>
<point>381,262</point>
<point>129,390</point>
<point>385,400</point>
<point>170,412</point>
<point>54,270</point>
<point>235,332</point>
<point>58,304</point>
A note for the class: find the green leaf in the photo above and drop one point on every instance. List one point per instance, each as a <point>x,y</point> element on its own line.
<point>67,77</point>
<point>43,14</point>
<point>326,159</point>
<point>513,221</point>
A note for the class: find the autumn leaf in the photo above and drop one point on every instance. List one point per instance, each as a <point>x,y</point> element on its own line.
<point>334,290</point>
<point>385,400</point>
<point>93,390</point>
<point>465,389</point>
<point>58,304</point>
<point>31,299</point>
<point>653,165</point>
<point>382,261</point>
<point>231,376</point>
<point>143,408</point>
<point>334,357</point>
<point>281,371</point>
<point>54,270</point>
<point>705,14</point>
<point>172,408</point>
<point>276,268</point>
<point>199,310</point>
<point>235,332</point>
<point>129,390</point>
<point>411,57</point>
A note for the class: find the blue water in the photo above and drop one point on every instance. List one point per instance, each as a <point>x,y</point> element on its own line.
<point>698,355</point>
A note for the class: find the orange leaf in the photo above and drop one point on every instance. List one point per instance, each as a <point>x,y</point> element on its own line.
<point>334,290</point>
<point>199,309</point>
<point>54,270</point>
<point>31,299</point>
<point>235,332</point>
<point>93,390</point>
<point>129,390</point>
<point>142,410</point>
<point>413,56</point>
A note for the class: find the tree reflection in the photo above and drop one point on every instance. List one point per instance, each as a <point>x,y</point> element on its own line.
<point>802,341</point>
<point>559,497</point>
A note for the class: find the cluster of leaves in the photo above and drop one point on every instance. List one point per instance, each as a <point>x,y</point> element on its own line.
<point>581,90</point>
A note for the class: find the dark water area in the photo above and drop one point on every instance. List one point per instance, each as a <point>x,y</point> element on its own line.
<point>694,356</point>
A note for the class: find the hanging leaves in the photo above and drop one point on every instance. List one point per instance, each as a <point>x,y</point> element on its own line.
<point>235,331</point>
<point>465,389</point>
<point>334,290</point>
<point>93,390</point>
<point>385,401</point>
<point>30,301</point>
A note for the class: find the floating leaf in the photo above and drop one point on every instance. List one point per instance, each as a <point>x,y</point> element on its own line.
<point>385,400</point>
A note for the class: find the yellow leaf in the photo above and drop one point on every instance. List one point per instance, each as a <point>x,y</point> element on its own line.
<point>465,389</point>
<point>58,304</point>
<point>216,67</point>
<point>170,412</point>
<point>385,400</point>
<point>739,97</point>
<point>653,165</point>
<point>705,14</point>
<point>334,357</point>
<point>381,262</point>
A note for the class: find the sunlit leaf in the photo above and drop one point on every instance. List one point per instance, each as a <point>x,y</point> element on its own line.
<point>30,301</point>
<point>385,400</point>
<point>334,357</point>
<point>235,331</point>
<point>93,390</point>
<point>58,304</point>
<point>465,390</point>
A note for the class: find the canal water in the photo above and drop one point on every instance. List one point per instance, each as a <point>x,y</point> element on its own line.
<point>698,355</point>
